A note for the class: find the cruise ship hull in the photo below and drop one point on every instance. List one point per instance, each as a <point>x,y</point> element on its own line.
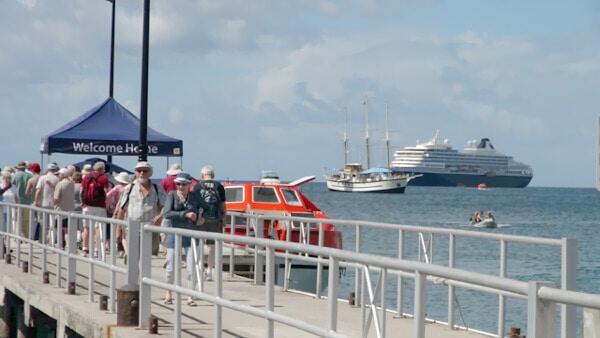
<point>469,180</point>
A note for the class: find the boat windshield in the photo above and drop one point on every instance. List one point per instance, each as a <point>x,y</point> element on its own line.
<point>264,195</point>
<point>291,197</point>
<point>234,194</point>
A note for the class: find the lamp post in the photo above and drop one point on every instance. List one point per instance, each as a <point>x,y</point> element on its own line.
<point>143,147</point>
<point>112,60</point>
<point>112,50</point>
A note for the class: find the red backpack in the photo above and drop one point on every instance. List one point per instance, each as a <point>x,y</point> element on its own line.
<point>92,191</point>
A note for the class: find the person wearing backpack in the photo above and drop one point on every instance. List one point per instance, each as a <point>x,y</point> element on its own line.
<point>142,201</point>
<point>211,197</point>
<point>93,199</point>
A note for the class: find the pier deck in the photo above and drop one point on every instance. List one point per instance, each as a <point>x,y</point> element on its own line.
<point>77,313</point>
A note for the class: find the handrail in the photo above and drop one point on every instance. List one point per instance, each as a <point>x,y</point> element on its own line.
<point>504,284</point>
<point>411,228</point>
<point>53,243</point>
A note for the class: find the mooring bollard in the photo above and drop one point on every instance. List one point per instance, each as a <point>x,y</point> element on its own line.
<point>25,267</point>
<point>103,302</point>
<point>71,289</point>
<point>515,332</point>
<point>153,325</point>
<point>351,299</point>
<point>46,277</point>
<point>128,305</point>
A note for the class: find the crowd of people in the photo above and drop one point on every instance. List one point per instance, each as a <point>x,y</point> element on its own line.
<point>178,201</point>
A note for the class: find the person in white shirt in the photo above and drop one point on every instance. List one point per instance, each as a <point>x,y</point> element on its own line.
<point>44,189</point>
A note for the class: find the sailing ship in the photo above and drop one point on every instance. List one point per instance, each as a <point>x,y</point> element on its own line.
<point>354,178</point>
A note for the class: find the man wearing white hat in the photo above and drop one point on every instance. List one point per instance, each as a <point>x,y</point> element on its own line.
<point>44,189</point>
<point>142,201</point>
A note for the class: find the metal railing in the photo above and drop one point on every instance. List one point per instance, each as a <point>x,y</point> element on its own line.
<point>47,223</point>
<point>541,297</point>
<point>425,248</point>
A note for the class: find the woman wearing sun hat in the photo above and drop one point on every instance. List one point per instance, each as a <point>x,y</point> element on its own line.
<point>181,209</point>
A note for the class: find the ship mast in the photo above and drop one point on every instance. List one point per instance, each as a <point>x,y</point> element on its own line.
<point>387,138</point>
<point>367,134</point>
<point>346,138</point>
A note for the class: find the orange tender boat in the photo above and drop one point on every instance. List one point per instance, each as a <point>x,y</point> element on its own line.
<point>272,198</point>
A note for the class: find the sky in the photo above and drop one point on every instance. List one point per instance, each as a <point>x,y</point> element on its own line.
<point>264,84</point>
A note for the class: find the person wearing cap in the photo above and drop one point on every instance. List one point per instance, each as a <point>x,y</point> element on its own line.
<point>94,205</point>
<point>181,209</point>
<point>114,194</point>
<point>19,180</point>
<point>112,198</point>
<point>211,197</point>
<point>64,198</point>
<point>168,183</point>
<point>44,188</point>
<point>142,201</point>
<point>32,182</point>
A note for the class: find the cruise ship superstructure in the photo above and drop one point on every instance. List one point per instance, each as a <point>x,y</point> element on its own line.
<point>477,165</point>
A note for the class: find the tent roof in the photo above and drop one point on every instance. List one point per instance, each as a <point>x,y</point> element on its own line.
<point>107,126</point>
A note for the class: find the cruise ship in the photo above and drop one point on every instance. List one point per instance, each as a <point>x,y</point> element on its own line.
<point>478,165</point>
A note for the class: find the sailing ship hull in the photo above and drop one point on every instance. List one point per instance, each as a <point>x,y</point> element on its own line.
<point>469,180</point>
<point>382,186</point>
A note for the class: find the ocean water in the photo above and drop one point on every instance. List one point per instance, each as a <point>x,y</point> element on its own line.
<point>539,212</point>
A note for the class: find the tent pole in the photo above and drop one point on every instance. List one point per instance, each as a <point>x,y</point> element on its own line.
<point>167,162</point>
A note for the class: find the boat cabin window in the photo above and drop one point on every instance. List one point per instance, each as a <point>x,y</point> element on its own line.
<point>291,197</point>
<point>234,194</point>
<point>264,195</point>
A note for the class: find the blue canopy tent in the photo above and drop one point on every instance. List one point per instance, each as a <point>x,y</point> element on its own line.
<point>108,129</point>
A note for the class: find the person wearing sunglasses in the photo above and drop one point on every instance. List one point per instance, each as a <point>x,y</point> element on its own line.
<point>142,201</point>
<point>182,211</point>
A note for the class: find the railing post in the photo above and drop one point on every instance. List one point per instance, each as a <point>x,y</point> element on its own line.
<point>319,264</point>
<point>451,264</point>
<point>17,231</point>
<point>91,246</point>
<point>145,272</point>
<point>31,235</point>
<point>218,288</point>
<point>357,280</point>
<point>59,240</point>
<point>568,281</point>
<point>44,239</point>
<point>72,249</point>
<point>502,298</point>
<point>287,268</point>
<point>400,285</point>
<point>383,277</point>
<point>177,275</point>
<point>332,287</point>
<point>270,289</point>
<point>232,254</point>
<point>259,262</point>
<point>540,313</point>
<point>133,252</point>
<point>113,262</point>
<point>419,307</point>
